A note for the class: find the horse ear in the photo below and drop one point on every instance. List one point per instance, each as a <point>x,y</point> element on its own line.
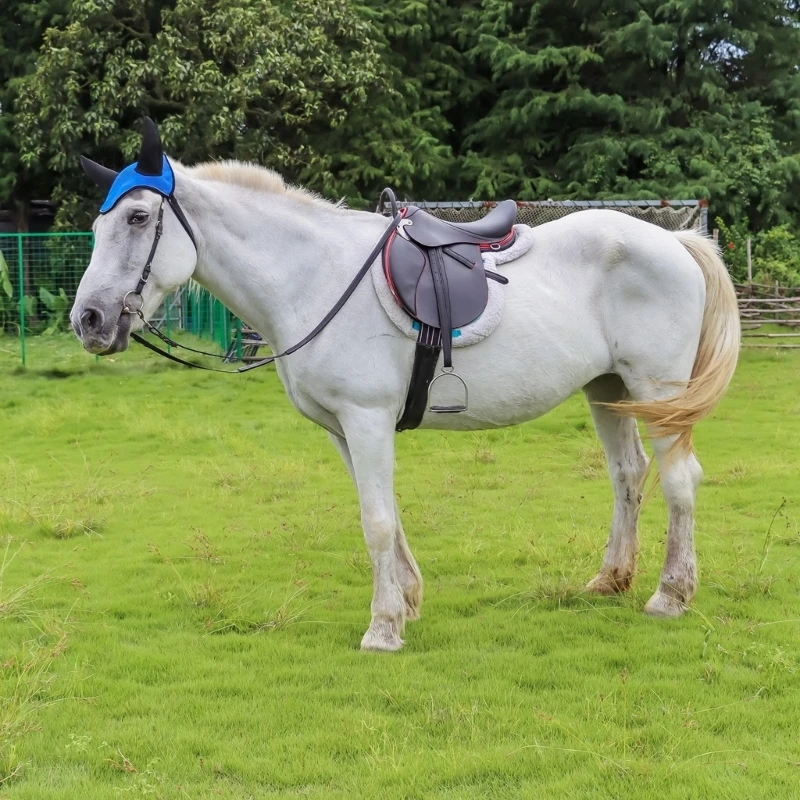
<point>151,155</point>
<point>102,176</point>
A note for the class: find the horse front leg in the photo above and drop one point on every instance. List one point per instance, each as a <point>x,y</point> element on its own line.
<point>407,570</point>
<point>369,435</point>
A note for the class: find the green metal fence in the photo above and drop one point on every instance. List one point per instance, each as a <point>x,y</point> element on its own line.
<point>39,277</point>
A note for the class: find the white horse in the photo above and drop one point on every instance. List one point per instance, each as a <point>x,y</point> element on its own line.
<point>644,321</point>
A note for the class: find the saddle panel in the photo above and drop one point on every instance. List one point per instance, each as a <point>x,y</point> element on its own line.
<point>408,271</point>
<point>429,231</point>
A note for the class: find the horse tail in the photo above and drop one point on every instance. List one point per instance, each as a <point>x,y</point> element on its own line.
<point>717,352</point>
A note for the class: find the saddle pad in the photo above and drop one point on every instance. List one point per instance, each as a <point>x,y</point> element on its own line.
<point>485,324</point>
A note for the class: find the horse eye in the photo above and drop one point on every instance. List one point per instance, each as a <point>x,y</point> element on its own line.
<point>137,218</point>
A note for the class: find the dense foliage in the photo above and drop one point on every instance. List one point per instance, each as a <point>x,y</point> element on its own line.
<point>529,99</point>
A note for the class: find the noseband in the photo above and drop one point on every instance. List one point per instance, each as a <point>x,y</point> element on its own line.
<point>133,302</point>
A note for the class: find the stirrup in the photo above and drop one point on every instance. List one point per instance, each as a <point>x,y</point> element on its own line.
<point>448,372</point>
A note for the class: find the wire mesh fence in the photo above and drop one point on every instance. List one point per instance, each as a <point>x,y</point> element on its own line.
<point>40,273</point>
<point>39,278</point>
<point>673,215</point>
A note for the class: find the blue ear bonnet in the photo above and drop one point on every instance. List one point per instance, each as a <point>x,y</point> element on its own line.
<point>151,171</point>
<point>129,179</point>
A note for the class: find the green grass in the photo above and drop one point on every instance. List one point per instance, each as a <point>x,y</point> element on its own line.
<point>185,587</point>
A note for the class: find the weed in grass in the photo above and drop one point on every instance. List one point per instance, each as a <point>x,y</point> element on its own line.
<point>61,527</point>
<point>20,602</point>
<point>203,549</point>
<point>358,561</point>
<point>28,679</point>
<point>591,462</point>
<point>755,581</point>
<point>238,616</point>
<point>205,595</point>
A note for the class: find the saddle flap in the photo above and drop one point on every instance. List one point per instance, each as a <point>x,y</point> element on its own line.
<point>408,271</point>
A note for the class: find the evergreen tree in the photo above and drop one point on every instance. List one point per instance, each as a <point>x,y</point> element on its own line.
<point>21,28</point>
<point>602,98</point>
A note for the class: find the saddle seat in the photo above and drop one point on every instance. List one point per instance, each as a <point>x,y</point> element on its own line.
<point>429,231</point>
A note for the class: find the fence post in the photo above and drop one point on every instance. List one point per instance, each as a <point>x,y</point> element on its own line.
<point>166,322</point>
<point>238,339</point>
<point>749,268</point>
<point>21,273</point>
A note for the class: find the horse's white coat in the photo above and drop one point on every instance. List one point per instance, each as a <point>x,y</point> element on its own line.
<point>601,302</point>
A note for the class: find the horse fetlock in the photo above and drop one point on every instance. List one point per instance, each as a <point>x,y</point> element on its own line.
<point>611,581</point>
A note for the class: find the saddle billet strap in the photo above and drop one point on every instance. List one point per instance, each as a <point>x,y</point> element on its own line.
<point>442,291</point>
<point>426,356</point>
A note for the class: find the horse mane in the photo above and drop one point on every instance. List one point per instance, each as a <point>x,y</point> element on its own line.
<point>248,175</point>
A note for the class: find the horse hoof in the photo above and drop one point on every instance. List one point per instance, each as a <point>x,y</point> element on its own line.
<point>381,637</point>
<point>606,583</point>
<point>662,605</point>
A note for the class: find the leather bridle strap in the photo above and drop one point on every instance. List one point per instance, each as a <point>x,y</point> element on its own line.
<point>150,346</point>
<point>149,263</point>
<point>137,292</point>
<point>375,252</point>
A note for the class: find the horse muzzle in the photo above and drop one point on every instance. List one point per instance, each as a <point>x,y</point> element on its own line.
<point>101,331</point>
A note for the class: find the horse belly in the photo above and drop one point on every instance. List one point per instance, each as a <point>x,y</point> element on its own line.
<point>548,345</point>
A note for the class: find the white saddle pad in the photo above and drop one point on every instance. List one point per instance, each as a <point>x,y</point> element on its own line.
<point>486,322</point>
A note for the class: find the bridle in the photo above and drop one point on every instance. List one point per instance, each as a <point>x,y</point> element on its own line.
<point>132,302</point>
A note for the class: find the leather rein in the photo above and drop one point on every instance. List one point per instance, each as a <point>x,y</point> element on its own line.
<point>133,302</point>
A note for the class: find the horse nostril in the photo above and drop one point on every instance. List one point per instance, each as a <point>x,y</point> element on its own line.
<point>92,320</point>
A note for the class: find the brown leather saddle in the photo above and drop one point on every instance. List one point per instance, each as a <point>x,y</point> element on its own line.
<point>435,271</point>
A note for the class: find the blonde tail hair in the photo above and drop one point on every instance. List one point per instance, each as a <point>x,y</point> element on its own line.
<point>717,353</point>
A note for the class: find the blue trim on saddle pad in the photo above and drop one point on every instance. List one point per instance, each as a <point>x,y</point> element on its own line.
<point>456,331</point>
<point>129,179</point>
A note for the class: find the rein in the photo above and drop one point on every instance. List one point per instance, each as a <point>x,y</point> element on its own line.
<point>136,307</point>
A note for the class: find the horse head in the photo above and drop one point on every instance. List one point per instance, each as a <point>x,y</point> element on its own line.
<point>144,248</point>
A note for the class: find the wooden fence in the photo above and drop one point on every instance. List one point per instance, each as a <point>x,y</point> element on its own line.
<point>773,305</point>
<point>767,304</point>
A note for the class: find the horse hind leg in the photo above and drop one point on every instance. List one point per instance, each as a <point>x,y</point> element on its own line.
<point>627,465</point>
<point>680,475</point>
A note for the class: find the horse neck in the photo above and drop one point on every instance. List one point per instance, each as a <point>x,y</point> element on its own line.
<point>278,263</point>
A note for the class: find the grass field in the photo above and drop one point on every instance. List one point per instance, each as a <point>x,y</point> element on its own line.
<point>185,586</point>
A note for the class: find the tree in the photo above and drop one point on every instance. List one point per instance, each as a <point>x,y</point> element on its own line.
<point>247,79</point>
<point>637,98</point>
<point>21,32</point>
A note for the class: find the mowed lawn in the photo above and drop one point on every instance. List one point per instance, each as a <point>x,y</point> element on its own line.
<point>185,586</point>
